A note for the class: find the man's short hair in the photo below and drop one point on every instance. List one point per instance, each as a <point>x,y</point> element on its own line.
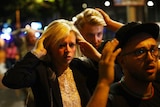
<point>89,16</point>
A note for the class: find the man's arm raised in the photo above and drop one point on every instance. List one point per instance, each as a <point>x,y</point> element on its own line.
<point>106,75</point>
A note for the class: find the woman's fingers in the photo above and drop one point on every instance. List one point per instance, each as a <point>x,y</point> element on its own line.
<point>39,49</point>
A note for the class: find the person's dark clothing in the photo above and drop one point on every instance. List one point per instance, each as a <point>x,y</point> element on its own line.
<point>119,97</point>
<point>93,81</point>
<point>118,70</point>
<point>34,73</point>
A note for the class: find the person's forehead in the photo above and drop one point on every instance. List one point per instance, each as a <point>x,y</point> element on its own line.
<point>92,25</point>
<point>141,39</point>
<point>71,36</point>
<point>92,28</point>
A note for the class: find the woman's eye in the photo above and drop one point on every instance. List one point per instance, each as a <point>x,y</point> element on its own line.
<point>62,45</point>
<point>72,45</point>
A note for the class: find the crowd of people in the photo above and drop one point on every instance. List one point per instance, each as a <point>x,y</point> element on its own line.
<point>71,65</point>
<point>13,50</point>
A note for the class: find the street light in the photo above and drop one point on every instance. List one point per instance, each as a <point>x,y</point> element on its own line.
<point>107,3</point>
<point>150,3</point>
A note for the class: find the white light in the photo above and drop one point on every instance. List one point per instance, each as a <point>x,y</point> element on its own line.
<point>7,30</point>
<point>74,19</point>
<point>37,34</point>
<point>107,3</point>
<point>45,27</point>
<point>27,26</point>
<point>84,5</point>
<point>150,3</point>
<point>159,46</point>
<point>36,25</point>
<point>5,36</point>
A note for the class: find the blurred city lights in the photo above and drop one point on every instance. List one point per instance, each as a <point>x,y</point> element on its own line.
<point>74,19</point>
<point>150,3</point>
<point>107,3</point>
<point>39,1</point>
<point>6,33</point>
<point>37,34</point>
<point>50,0</point>
<point>45,27</point>
<point>27,26</point>
<point>6,30</point>
<point>36,25</point>
<point>5,36</point>
<point>84,5</point>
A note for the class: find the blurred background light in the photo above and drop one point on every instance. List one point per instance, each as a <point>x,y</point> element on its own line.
<point>6,33</point>
<point>107,3</point>
<point>36,25</point>
<point>84,5</point>
<point>74,19</point>
<point>150,3</point>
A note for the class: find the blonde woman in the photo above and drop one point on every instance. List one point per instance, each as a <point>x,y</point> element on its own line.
<point>56,78</point>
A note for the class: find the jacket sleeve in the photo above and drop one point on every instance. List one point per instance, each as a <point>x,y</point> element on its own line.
<point>87,68</point>
<point>23,73</point>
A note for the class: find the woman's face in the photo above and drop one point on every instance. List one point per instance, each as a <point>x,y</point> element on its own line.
<point>65,51</point>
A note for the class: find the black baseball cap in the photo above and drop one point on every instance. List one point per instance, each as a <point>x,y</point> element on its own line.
<point>131,29</point>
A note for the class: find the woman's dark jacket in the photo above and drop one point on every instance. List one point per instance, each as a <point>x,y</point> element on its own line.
<point>34,73</point>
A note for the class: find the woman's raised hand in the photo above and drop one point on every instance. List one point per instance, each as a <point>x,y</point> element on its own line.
<point>39,50</point>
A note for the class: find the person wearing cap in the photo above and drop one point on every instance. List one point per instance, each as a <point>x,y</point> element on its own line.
<point>135,49</point>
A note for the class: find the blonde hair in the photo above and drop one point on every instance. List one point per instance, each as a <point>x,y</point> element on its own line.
<point>57,30</point>
<point>89,16</point>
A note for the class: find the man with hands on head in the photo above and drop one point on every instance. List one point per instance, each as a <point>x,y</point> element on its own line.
<point>137,53</point>
<point>91,23</point>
